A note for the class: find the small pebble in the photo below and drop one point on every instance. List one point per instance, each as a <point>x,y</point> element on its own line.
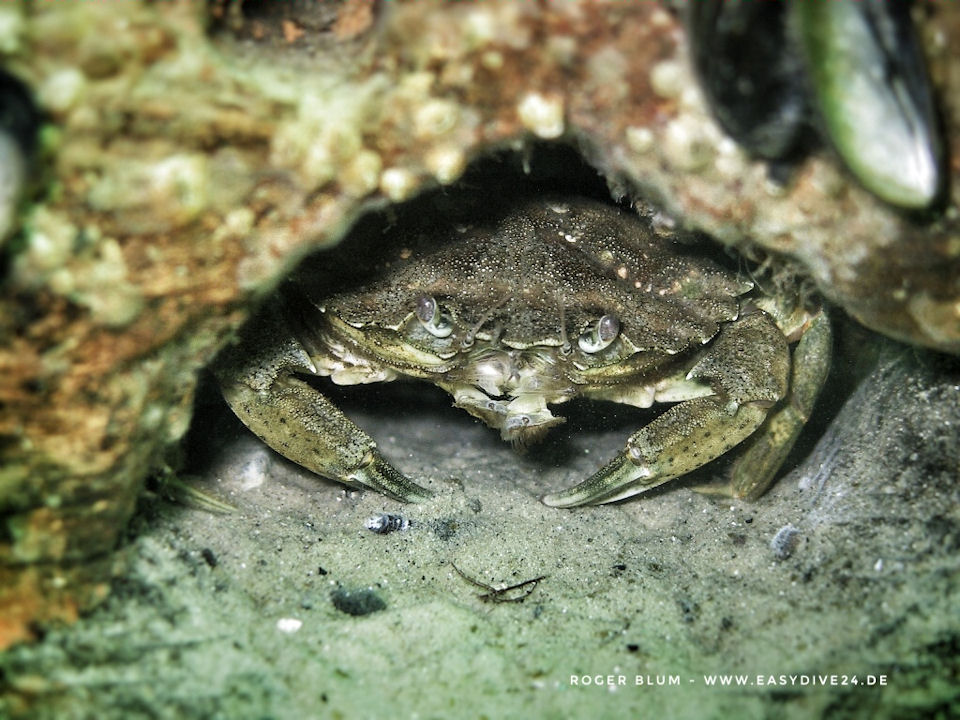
<point>357,602</point>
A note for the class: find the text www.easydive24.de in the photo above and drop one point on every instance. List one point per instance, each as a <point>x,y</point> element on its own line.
<point>721,680</point>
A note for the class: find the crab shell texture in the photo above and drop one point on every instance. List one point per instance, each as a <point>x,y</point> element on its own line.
<point>543,301</point>
<point>557,299</point>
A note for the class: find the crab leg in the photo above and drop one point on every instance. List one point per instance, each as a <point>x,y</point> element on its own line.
<point>296,420</point>
<point>748,366</point>
<point>755,468</point>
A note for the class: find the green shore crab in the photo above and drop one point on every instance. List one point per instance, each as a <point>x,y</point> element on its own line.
<point>548,300</point>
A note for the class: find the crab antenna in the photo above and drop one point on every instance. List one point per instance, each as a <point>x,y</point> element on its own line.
<point>565,346</point>
<point>472,332</point>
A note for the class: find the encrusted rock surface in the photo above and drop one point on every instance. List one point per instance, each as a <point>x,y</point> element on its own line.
<point>195,153</point>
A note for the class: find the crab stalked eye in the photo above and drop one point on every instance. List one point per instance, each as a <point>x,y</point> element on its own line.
<point>426,308</point>
<point>430,316</point>
<point>600,335</point>
<point>608,328</point>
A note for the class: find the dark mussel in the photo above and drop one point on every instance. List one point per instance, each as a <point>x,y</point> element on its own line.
<point>756,90</point>
<point>19,121</point>
<point>859,65</point>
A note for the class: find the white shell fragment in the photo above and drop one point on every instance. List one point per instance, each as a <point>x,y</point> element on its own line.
<point>289,625</point>
<point>384,523</point>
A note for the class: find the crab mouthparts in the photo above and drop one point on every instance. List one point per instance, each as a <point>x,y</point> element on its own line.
<point>509,391</point>
<point>522,427</point>
<point>521,419</point>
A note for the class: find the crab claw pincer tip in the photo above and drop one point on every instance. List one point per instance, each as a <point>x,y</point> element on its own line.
<point>618,479</point>
<point>376,473</point>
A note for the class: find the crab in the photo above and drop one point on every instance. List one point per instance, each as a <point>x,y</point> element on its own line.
<point>545,301</point>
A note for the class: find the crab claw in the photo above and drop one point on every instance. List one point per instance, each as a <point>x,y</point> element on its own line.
<point>682,439</point>
<point>694,432</point>
<point>258,381</point>
<point>376,473</point>
<point>616,480</point>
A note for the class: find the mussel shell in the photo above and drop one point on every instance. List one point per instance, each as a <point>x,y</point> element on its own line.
<point>870,84</point>
<point>752,79</point>
<point>19,122</point>
<point>19,117</point>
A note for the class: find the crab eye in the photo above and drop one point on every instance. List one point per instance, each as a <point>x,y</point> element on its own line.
<point>600,335</point>
<point>429,314</point>
<point>426,308</point>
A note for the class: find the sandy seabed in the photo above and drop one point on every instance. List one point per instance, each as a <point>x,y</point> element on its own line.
<point>837,592</point>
